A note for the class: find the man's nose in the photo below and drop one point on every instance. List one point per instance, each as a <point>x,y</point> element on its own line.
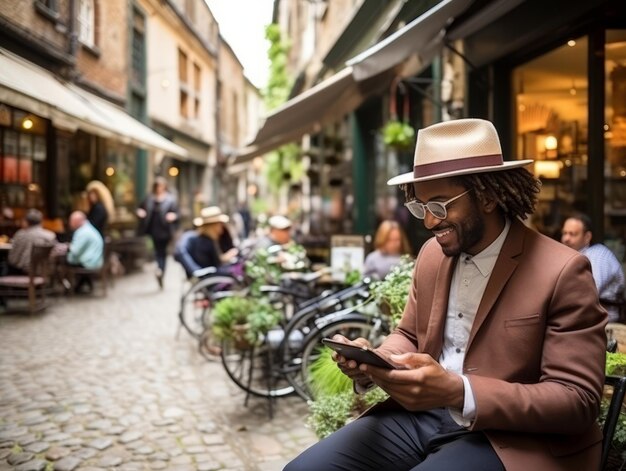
<point>430,221</point>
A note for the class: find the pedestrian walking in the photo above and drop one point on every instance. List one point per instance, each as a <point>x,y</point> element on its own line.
<point>158,217</point>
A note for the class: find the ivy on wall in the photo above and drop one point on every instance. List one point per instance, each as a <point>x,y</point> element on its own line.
<point>284,165</point>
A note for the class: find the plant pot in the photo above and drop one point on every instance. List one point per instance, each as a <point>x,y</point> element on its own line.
<point>239,337</point>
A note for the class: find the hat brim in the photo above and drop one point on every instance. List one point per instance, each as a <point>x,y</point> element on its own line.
<point>410,177</point>
<point>212,220</point>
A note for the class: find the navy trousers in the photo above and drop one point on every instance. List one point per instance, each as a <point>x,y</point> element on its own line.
<point>398,440</point>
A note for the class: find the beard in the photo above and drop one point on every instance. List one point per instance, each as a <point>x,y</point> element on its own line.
<point>469,233</point>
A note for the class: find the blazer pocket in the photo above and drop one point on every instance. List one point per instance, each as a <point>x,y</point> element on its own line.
<point>521,321</point>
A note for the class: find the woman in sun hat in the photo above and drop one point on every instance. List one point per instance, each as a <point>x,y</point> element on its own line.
<point>205,245</point>
<point>501,347</point>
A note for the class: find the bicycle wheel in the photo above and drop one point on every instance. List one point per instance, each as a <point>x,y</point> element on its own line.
<point>196,303</point>
<point>351,327</point>
<point>256,369</point>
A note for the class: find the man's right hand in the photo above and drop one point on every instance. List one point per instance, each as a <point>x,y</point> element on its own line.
<point>350,367</point>
<point>141,213</point>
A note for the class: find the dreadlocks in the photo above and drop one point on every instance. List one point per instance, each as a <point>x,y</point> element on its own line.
<point>515,190</point>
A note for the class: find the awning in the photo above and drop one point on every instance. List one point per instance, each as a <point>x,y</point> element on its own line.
<point>34,89</point>
<point>406,52</point>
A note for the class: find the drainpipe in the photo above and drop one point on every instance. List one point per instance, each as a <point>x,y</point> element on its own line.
<point>72,35</point>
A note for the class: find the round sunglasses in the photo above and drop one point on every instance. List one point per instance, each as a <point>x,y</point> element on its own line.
<point>436,208</point>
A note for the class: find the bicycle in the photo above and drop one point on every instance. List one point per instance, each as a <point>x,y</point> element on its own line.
<point>279,364</point>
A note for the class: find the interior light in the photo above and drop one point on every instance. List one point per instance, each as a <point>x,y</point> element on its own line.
<point>551,143</point>
<point>27,123</point>
<point>606,127</point>
<point>547,168</point>
<point>110,171</point>
<point>571,43</point>
<point>173,171</point>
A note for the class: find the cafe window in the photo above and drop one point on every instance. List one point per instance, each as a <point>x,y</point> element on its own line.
<point>551,124</point>
<point>615,140</point>
<point>22,158</point>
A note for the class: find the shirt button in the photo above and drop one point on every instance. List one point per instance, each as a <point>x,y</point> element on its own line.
<point>458,350</point>
<point>460,315</point>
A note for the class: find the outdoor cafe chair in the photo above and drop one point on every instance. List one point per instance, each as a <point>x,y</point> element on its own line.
<point>32,287</point>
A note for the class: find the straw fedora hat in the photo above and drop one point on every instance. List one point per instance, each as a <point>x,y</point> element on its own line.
<point>458,147</point>
<point>210,215</point>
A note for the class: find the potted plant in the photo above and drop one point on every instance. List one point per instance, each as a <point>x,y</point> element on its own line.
<point>244,320</point>
<point>392,292</point>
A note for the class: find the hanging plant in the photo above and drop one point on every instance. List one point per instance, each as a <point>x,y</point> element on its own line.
<point>398,134</point>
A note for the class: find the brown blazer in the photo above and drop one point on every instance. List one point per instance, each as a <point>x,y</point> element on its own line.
<point>536,352</point>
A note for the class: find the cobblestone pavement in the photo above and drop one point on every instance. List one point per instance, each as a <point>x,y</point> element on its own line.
<point>107,384</point>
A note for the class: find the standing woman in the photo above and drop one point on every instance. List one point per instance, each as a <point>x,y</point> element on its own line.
<point>101,207</point>
<point>158,215</point>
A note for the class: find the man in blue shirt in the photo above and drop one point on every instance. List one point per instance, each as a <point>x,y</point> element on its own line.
<point>86,248</point>
<point>605,268</point>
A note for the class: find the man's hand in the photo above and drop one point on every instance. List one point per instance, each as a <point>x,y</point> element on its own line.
<point>350,367</point>
<point>141,213</point>
<point>171,216</point>
<point>424,385</point>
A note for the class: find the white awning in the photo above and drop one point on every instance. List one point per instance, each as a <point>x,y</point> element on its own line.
<point>34,89</point>
<point>406,52</point>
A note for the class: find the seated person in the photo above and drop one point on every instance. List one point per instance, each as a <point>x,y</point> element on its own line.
<point>390,244</point>
<point>279,233</point>
<point>86,248</point>
<point>201,248</point>
<point>605,267</point>
<point>24,239</point>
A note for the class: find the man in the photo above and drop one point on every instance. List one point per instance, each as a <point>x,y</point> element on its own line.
<point>24,239</point>
<point>606,269</point>
<point>86,248</point>
<point>279,233</point>
<point>201,247</point>
<point>502,343</point>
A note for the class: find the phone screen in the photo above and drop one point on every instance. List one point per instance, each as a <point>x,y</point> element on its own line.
<point>358,354</point>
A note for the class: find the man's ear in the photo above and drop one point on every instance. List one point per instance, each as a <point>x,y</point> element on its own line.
<point>587,237</point>
<point>489,206</point>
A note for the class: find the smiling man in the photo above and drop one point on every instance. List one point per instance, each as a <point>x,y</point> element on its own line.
<point>502,337</point>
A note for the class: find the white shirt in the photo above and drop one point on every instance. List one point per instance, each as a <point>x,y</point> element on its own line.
<point>469,281</point>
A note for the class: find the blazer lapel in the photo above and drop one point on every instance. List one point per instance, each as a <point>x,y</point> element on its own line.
<point>437,316</point>
<point>502,271</point>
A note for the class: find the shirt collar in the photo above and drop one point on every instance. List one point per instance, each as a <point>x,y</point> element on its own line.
<point>486,259</point>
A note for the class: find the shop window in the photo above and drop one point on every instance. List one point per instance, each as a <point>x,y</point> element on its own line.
<point>87,22</point>
<point>615,140</point>
<point>551,101</point>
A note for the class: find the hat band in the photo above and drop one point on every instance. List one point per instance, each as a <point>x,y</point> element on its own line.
<point>435,168</point>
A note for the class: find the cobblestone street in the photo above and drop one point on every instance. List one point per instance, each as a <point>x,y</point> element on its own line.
<point>106,383</point>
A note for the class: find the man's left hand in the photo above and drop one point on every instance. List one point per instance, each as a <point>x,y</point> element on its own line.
<point>423,385</point>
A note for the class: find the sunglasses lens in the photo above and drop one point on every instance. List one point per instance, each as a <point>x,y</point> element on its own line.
<point>437,209</point>
<point>416,209</point>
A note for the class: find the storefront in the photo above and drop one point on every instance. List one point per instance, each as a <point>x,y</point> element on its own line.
<point>552,75</point>
<point>55,138</point>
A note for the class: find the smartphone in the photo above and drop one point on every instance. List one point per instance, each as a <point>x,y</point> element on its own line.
<point>359,354</point>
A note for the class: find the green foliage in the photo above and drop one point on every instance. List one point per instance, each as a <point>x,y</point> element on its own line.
<point>325,378</point>
<point>353,277</point>
<point>257,315</point>
<point>329,413</point>
<point>263,268</point>
<point>284,166</point>
<point>398,134</point>
<point>392,292</point>
<point>615,364</point>
<point>279,84</point>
